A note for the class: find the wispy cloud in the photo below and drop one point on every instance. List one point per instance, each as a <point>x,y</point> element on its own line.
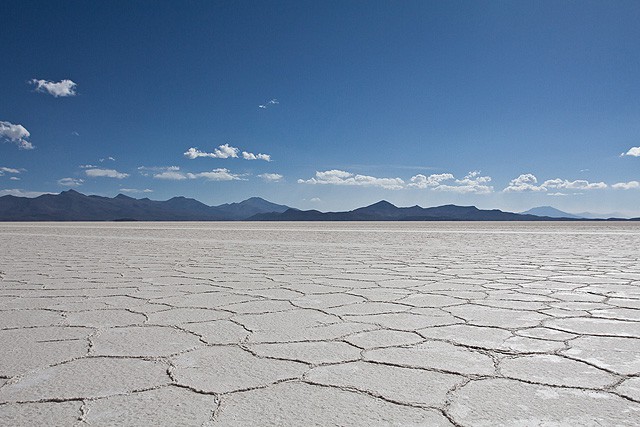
<point>220,174</point>
<point>633,151</point>
<point>104,159</point>
<point>271,177</point>
<point>57,89</point>
<point>16,134</point>
<point>106,173</point>
<point>529,183</point>
<point>4,169</point>
<point>14,178</point>
<point>631,185</point>
<point>473,182</point>
<point>259,156</point>
<point>135,190</point>
<point>268,104</point>
<point>70,182</point>
<point>22,193</point>
<point>87,166</point>
<point>339,177</point>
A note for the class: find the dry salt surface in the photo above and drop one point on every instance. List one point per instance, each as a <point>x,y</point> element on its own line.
<point>300,324</point>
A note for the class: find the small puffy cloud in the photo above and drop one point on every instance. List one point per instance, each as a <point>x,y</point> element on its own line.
<point>135,190</point>
<point>222,152</point>
<point>4,169</point>
<point>268,104</point>
<point>220,174</point>
<point>631,185</point>
<point>106,173</point>
<point>524,182</point>
<point>315,200</point>
<point>16,134</point>
<point>14,178</point>
<point>431,181</point>
<point>259,156</point>
<point>87,166</point>
<point>338,177</point>
<point>529,183</point>
<point>557,194</point>
<point>633,151</point>
<point>57,89</point>
<point>148,170</point>
<point>22,193</point>
<point>271,177</point>
<point>112,159</point>
<point>171,175</point>
<point>473,182</point>
<point>579,184</point>
<point>70,182</point>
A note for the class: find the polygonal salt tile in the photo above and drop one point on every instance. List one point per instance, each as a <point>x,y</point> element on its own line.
<point>104,318</point>
<point>324,301</point>
<point>257,307</point>
<point>298,404</point>
<point>29,318</point>
<point>473,336</point>
<point>286,319</point>
<point>531,345</point>
<point>409,321</point>
<point>176,316</point>
<point>514,403</point>
<point>367,308</point>
<point>612,353</point>
<point>229,368</point>
<point>405,385</point>
<point>556,370</point>
<point>143,341</point>
<point>434,355</point>
<point>204,300</point>
<point>630,388</point>
<point>85,379</point>
<point>316,352</point>
<point>40,414</point>
<point>545,334</point>
<point>164,406</point>
<point>497,317</point>
<point>595,326</point>
<point>430,300</point>
<point>617,313</point>
<point>40,347</point>
<point>219,332</point>
<point>383,338</point>
<point>312,333</point>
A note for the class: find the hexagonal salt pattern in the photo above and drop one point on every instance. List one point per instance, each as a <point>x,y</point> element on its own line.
<point>439,324</point>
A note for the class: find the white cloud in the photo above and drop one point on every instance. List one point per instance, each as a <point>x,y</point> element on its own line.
<point>107,173</point>
<point>557,194</point>
<point>135,190</point>
<point>579,184</point>
<point>170,175</point>
<point>473,182</point>
<point>528,182</point>
<point>271,177</point>
<point>626,185</point>
<point>259,156</point>
<point>524,182</point>
<point>22,193</point>
<point>220,174</point>
<point>87,166</point>
<point>14,178</point>
<point>107,158</point>
<point>633,151</point>
<point>57,89</point>
<point>268,104</point>
<point>16,134</point>
<point>434,180</point>
<point>70,182</point>
<point>222,152</point>
<point>338,177</point>
<point>315,200</point>
<point>4,169</point>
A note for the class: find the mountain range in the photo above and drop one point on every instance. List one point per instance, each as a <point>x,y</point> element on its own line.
<point>71,205</point>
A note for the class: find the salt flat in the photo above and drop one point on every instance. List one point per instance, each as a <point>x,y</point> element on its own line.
<point>297,324</point>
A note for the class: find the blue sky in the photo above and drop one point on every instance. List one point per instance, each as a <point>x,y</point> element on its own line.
<point>504,105</point>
